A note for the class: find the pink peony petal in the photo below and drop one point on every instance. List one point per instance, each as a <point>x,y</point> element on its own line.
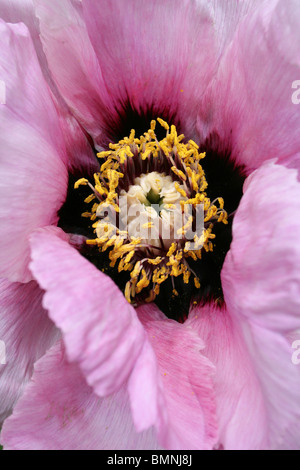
<point>261,283</point>
<point>184,387</point>
<point>159,54</point>
<point>68,416</point>
<point>227,16</point>
<point>100,328</point>
<point>163,69</point>
<point>242,419</point>
<point>261,271</point>
<point>79,152</point>
<point>25,333</point>
<point>17,11</point>
<point>249,105</point>
<point>33,178</point>
<point>73,62</point>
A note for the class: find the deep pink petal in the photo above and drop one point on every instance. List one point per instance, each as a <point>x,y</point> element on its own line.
<point>261,283</point>
<point>184,386</point>
<point>27,333</point>
<point>100,328</point>
<point>33,178</point>
<point>59,411</point>
<point>79,152</point>
<point>159,54</point>
<point>249,106</point>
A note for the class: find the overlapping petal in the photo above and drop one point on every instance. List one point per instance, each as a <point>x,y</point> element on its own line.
<point>68,415</point>
<point>241,414</point>
<point>33,178</point>
<point>26,333</point>
<point>73,62</point>
<point>101,330</point>
<point>249,106</point>
<point>224,379</point>
<point>147,54</point>
<point>186,382</point>
<point>103,334</point>
<point>261,283</point>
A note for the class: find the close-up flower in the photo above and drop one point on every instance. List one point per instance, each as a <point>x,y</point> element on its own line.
<point>150,225</point>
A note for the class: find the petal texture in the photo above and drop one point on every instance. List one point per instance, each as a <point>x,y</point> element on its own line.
<point>27,333</point>
<point>160,55</point>
<point>100,328</point>
<point>249,106</point>
<point>241,413</point>
<point>73,62</point>
<point>68,416</point>
<point>105,337</point>
<point>33,177</point>
<point>185,383</point>
<point>262,291</point>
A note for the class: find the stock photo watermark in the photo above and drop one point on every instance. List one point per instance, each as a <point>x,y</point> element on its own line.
<point>296,94</point>
<point>296,353</point>
<point>157,223</point>
<point>2,353</point>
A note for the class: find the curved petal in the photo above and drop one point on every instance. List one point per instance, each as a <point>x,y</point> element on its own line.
<point>73,62</point>
<point>17,11</point>
<point>184,386</point>
<point>242,418</point>
<point>33,177</point>
<point>25,333</point>
<point>100,328</point>
<point>227,16</point>
<point>79,152</point>
<point>261,282</point>
<point>158,55</point>
<point>59,411</point>
<point>250,105</point>
<point>103,334</point>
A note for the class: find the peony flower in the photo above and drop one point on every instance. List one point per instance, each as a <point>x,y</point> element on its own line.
<point>127,343</point>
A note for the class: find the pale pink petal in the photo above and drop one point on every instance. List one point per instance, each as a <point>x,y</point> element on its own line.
<point>79,152</point>
<point>241,412</point>
<point>17,11</point>
<point>227,16</point>
<point>100,328</point>
<point>261,283</point>
<point>33,178</point>
<point>261,275</point>
<point>59,411</point>
<point>25,334</point>
<point>103,334</point>
<point>184,388</point>
<point>73,62</point>
<point>249,105</point>
<point>80,157</point>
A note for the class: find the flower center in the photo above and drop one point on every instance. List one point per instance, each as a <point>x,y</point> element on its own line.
<point>150,210</point>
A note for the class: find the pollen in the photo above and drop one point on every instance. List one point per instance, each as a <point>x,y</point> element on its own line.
<point>150,210</point>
